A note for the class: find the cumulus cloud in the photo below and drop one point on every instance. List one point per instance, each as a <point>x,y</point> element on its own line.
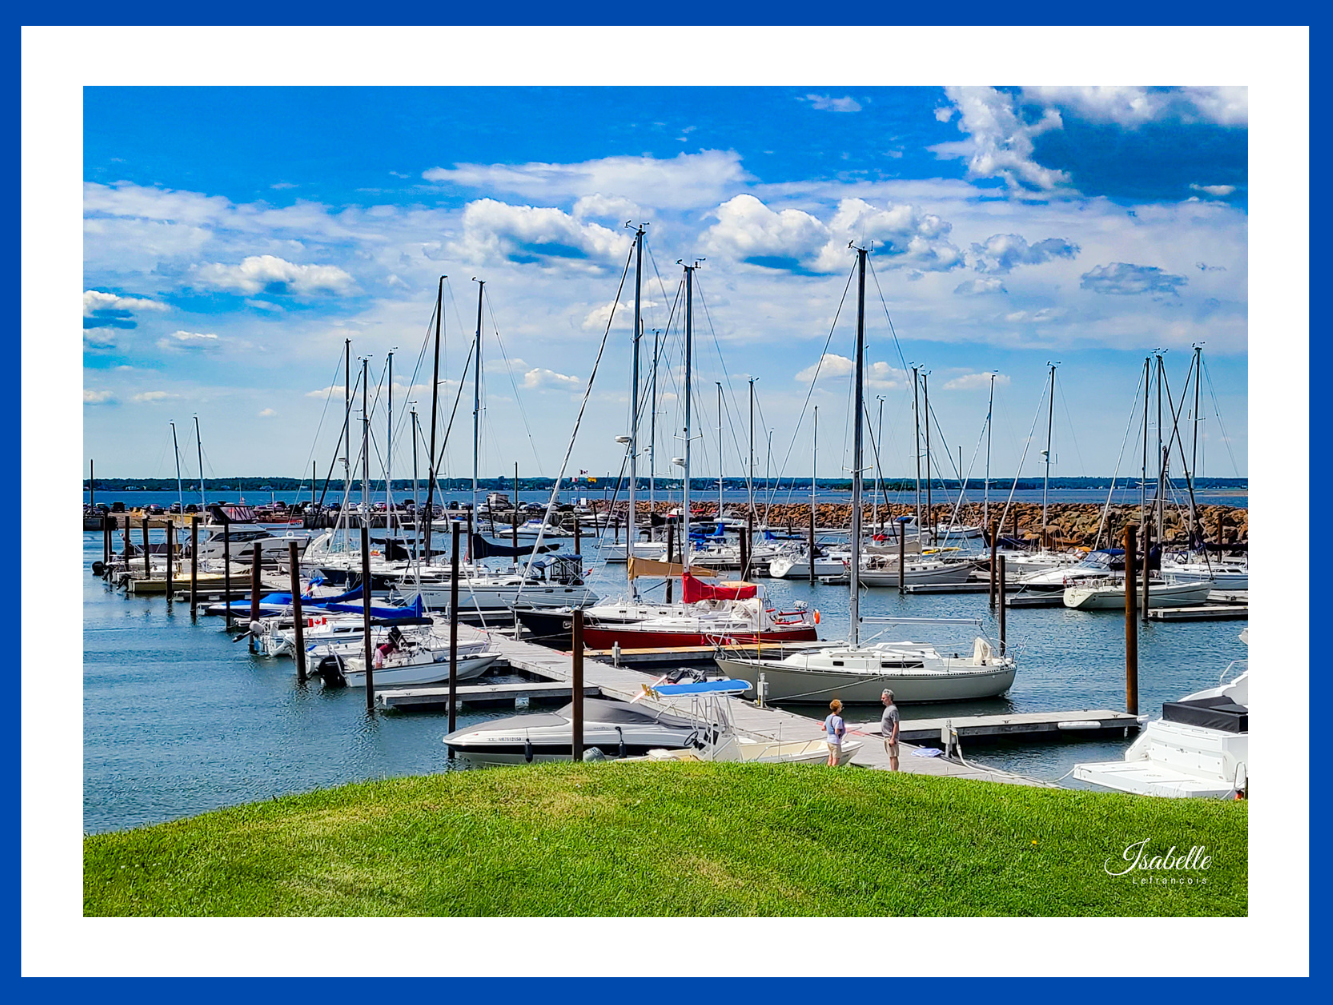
<point>270,274</point>
<point>539,378</point>
<point>829,365</point>
<point>147,397</point>
<point>606,207</point>
<point>1134,106</point>
<point>827,104</point>
<point>883,377</point>
<point>879,376</point>
<point>944,114</point>
<point>266,413</point>
<point>183,340</point>
<point>1218,191</point>
<point>97,302</point>
<point>495,231</point>
<point>686,181</point>
<point>974,381</point>
<point>749,231</point>
<point>98,338</point>
<point>92,396</point>
<point>1127,280</point>
<point>1000,141</point>
<point>596,319</point>
<point>979,287</point>
<point>1002,252</point>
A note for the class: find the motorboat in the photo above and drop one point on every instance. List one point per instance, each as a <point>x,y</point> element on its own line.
<point>958,531</point>
<point>553,581</point>
<point>617,552</point>
<point>613,728</point>
<point>798,566</point>
<point>1109,594</point>
<point>914,671</point>
<point>1096,566</point>
<point>1199,747</point>
<point>412,663</point>
<point>882,570</point>
<point>1223,573</point>
<point>1019,564</point>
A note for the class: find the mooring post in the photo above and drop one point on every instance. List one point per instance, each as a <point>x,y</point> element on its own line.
<point>577,548</point>
<point>902,557</point>
<point>194,564</point>
<point>147,559</point>
<point>994,544</point>
<point>1000,599</point>
<point>1147,553</point>
<point>1015,524</point>
<point>616,521</point>
<point>812,544</point>
<point>125,538</point>
<point>453,630</point>
<point>298,621</point>
<point>254,586</point>
<point>576,655</point>
<point>671,544</point>
<point>365,615</point>
<point>106,541</point>
<point>226,570</point>
<point>171,559</point>
<point>1131,629</point>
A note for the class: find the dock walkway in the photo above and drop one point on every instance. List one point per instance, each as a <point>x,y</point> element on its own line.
<point>626,684</point>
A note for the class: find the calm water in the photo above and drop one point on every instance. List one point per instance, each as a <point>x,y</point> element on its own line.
<point>178,719</point>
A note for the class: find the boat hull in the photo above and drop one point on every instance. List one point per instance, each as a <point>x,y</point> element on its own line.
<point>627,637</point>
<point>788,683</point>
<point>1103,598</point>
<point>945,574</point>
<point>414,675</point>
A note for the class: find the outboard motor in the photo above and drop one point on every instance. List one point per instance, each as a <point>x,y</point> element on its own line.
<point>331,672</point>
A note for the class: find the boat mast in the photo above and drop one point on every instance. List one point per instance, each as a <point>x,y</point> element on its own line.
<point>175,448</point>
<point>719,452</point>
<point>916,419</point>
<point>1143,474</point>
<point>925,394</point>
<point>750,481</point>
<point>631,526</point>
<point>985,492</point>
<point>1194,440</point>
<point>434,404</point>
<point>1046,482</point>
<point>476,398</point>
<point>1161,457</point>
<point>689,359</point>
<point>388,455</point>
<point>416,504</point>
<point>347,418</point>
<point>652,443</point>
<point>365,440</point>
<point>879,465</point>
<point>814,468</point>
<point>854,636</point>
<point>199,445</point>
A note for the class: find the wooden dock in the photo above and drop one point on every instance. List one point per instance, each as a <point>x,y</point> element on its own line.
<point>1206,612</point>
<point>1056,598</point>
<point>480,695</point>
<point>1022,725</point>
<point>626,684</point>
<point>970,587</point>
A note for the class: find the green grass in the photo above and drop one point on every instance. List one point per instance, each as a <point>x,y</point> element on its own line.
<point>670,839</point>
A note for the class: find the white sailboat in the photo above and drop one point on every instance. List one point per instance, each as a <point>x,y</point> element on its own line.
<point>1109,594</point>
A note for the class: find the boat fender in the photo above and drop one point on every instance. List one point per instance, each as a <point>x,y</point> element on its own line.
<point>527,750</point>
<point>816,615</point>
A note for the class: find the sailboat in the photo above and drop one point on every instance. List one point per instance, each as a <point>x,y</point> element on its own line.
<point>856,673</point>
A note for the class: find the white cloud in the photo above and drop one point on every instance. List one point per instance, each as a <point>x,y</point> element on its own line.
<point>539,378</point>
<point>882,377</point>
<point>1220,191</point>
<point>879,376</point>
<point>1002,252</point>
<point>944,114</point>
<point>496,231</point>
<point>183,340</point>
<point>98,338</point>
<point>826,104</point>
<point>686,181</point>
<point>267,413</point>
<point>830,365</point>
<point>95,301</point>
<point>146,397</point>
<point>748,230</point>
<point>92,396</point>
<point>903,235</point>
<point>1127,280</point>
<point>1133,106</point>
<point>975,381</point>
<point>1000,141</point>
<point>258,273</point>
<point>606,207</point>
<point>979,287</point>
<point>596,319</point>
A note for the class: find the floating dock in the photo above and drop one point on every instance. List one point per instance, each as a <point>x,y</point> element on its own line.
<point>1055,598</point>
<point>970,587</point>
<point>1022,725</point>
<point>480,695</point>
<point>1206,612</point>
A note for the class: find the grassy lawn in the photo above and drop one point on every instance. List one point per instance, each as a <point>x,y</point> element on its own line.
<point>672,839</point>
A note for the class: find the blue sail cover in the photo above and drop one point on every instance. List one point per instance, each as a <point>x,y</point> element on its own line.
<point>724,686</point>
<point>415,610</point>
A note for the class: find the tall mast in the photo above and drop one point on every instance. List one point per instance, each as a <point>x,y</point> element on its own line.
<point>854,637</point>
<point>925,395</point>
<point>434,404</point>
<point>1161,457</point>
<point>476,396</point>
<point>916,419</point>
<point>365,440</point>
<point>814,466</point>
<point>1050,419</point>
<point>347,417</point>
<point>1194,440</point>
<point>388,455</point>
<point>750,480</point>
<point>985,492</point>
<point>175,449</point>
<point>631,527</point>
<point>879,460</point>
<point>199,445</point>
<point>689,360</point>
<point>1143,475</point>
<point>719,451</point>
<point>416,503</point>
<point>652,443</point>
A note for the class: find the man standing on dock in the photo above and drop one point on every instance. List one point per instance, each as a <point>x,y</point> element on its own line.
<point>888,725</point>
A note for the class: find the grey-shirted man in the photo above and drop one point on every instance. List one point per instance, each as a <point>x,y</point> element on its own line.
<point>888,725</point>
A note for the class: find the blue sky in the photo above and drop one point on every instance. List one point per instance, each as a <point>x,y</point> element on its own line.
<point>234,237</point>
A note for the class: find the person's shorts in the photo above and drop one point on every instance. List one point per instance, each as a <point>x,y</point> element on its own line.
<point>834,747</point>
<point>891,748</point>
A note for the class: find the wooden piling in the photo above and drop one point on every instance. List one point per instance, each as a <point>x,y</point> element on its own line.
<point>255,586</point>
<point>453,631</point>
<point>226,568</point>
<point>106,540</point>
<point>994,544</point>
<point>171,560</point>
<point>365,615</point>
<point>147,558</point>
<point>1131,629</point>
<point>1000,599</point>
<point>577,546</point>
<point>125,537</point>
<point>194,564</point>
<point>298,620</point>
<point>514,532</point>
<point>576,656</point>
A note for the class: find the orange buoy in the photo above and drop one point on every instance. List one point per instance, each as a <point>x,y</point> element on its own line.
<point>816,616</point>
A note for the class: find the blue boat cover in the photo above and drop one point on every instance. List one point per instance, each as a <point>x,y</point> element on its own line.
<point>725,686</point>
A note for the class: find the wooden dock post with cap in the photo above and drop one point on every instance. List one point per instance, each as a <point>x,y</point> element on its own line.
<point>576,654</point>
<point>194,564</point>
<point>453,631</point>
<point>255,586</point>
<point>298,622</point>
<point>106,540</point>
<point>147,558</point>
<point>1000,600</point>
<point>226,568</point>
<point>125,539</point>
<point>365,615</point>
<point>1131,629</point>
<point>577,546</point>
<point>171,560</point>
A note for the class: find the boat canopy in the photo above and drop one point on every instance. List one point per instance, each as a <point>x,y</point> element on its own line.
<point>693,590</point>
<point>726,685</point>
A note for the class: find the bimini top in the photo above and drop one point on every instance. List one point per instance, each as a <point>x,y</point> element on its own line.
<point>692,590</point>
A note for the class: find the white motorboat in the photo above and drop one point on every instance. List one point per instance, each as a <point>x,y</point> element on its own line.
<point>1109,594</point>
<point>954,530</point>
<point>914,671</point>
<point>1224,574</point>
<point>556,581</point>
<point>215,539</point>
<point>617,552</point>
<point>614,728</point>
<point>1098,565</point>
<point>1199,747</point>
<point>413,664</point>
<point>1019,564</point>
